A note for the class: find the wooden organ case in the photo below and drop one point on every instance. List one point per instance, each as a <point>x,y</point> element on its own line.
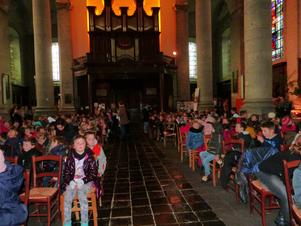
<point>124,63</point>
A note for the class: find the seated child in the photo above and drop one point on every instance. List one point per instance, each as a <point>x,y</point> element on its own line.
<point>12,212</point>
<point>213,149</point>
<point>271,174</point>
<point>251,158</point>
<point>232,157</point>
<point>99,155</point>
<point>12,143</point>
<point>80,174</point>
<point>195,137</point>
<point>56,147</point>
<point>97,151</point>
<point>29,150</point>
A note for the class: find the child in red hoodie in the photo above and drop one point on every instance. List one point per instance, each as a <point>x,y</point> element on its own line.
<point>98,152</point>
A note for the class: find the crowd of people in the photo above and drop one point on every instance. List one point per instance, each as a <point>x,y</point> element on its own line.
<point>79,139</point>
<point>267,142</point>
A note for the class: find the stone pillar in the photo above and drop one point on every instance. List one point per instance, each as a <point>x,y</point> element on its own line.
<point>42,53</point>
<point>235,8</point>
<point>182,58</point>
<point>4,56</point>
<point>65,50</point>
<point>204,52</point>
<point>162,92</point>
<point>258,56</point>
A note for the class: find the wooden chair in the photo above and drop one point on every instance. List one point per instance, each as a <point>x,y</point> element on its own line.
<point>182,144</point>
<point>24,194</point>
<point>295,212</point>
<point>92,206</point>
<point>170,131</point>
<point>195,155</point>
<point>261,199</point>
<point>226,147</point>
<point>12,160</point>
<point>45,196</point>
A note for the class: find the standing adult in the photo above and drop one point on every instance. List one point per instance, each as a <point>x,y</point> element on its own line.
<point>123,121</point>
<point>145,113</point>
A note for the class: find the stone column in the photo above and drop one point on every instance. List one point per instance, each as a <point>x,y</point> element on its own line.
<point>235,8</point>
<point>4,54</point>
<point>162,91</point>
<point>204,52</point>
<point>65,50</point>
<point>42,53</point>
<point>258,56</point>
<point>182,58</point>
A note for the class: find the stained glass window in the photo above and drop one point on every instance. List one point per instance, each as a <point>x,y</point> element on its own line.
<point>192,60</point>
<point>277,29</point>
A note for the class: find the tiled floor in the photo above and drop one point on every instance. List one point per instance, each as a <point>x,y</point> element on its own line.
<point>142,187</point>
<point>146,184</point>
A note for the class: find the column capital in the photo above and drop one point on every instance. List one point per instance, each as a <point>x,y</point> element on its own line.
<point>181,7</point>
<point>63,4</point>
<point>4,4</point>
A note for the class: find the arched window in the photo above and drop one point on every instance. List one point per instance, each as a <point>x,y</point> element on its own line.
<point>15,57</point>
<point>192,60</point>
<point>55,62</point>
<point>277,29</point>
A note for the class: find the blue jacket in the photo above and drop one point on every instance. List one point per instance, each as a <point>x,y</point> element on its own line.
<point>12,212</point>
<point>252,157</point>
<point>275,142</point>
<point>195,139</point>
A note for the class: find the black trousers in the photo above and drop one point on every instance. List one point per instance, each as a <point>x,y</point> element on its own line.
<point>231,159</point>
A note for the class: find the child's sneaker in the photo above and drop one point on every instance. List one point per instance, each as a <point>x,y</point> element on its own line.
<point>205,178</point>
<point>220,162</point>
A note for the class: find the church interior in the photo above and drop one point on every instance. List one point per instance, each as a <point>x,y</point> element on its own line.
<point>150,112</point>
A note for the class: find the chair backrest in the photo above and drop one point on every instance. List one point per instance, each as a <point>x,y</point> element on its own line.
<point>171,126</point>
<point>183,137</point>
<point>288,183</point>
<point>206,140</point>
<point>12,160</point>
<point>230,142</point>
<point>39,171</point>
<point>26,189</point>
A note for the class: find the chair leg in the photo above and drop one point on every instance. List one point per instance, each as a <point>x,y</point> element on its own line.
<point>214,175</point>
<point>262,206</point>
<point>193,162</point>
<point>94,207</point>
<point>48,212</point>
<point>164,141</point>
<point>237,192</point>
<point>181,153</point>
<point>62,209</point>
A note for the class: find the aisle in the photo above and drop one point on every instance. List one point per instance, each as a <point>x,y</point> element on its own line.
<point>142,187</point>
